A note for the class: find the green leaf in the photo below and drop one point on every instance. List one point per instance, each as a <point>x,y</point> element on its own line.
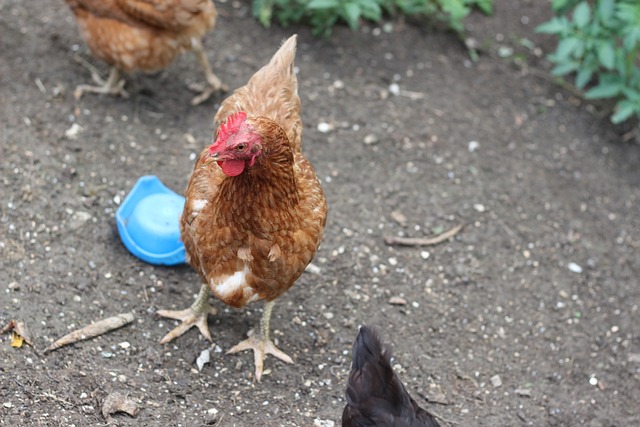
<point>606,8</point>
<point>606,54</point>
<point>352,15</point>
<point>565,68</point>
<point>624,110</point>
<point>566,47</point>
<point>582,15</point>
<point>323,4</point>
<point>583,77</point>
<point>554,26</point>
<point>603,90</point>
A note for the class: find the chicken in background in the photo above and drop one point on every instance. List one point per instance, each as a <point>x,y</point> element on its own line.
<point>144,35</point>
<point>375,394</point>
<point>255,211</point>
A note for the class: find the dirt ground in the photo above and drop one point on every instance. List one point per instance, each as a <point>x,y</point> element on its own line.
<point>529,316</point>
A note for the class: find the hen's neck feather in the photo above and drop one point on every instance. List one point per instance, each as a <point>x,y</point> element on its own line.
<point>270,183</point>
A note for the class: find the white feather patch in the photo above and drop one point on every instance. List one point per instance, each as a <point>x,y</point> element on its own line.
<point>196,207</point>
<point>231,284</point>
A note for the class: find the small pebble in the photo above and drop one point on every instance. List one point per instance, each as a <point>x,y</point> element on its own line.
<point>203,359</point>
<point>479,207</point>
<point>425,254</point>
<point>328,315</point>
<point>473,146</point>
<point>593,381</point>
<point>370,139</point>
<point>394,89</point>
<point>324,127</point>
<point>496,381</point>
<point>572,266</point>
<point>397,301</point>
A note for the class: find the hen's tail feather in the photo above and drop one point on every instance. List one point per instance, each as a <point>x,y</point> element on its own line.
<point>375,394</point>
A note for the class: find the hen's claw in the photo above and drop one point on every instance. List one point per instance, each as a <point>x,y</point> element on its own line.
<point>196,315</point>
<point>213,82</point>
<point>112,86</point>
<point>261,346</point>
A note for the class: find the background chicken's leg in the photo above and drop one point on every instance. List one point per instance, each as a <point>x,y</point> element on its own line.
<point>260,343</point>
<point>213,82</point>
<point>196,315</point>
<point>112,86</point>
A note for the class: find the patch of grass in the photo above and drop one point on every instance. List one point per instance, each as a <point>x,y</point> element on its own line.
<point>323,15</point>
<point>598,43</point>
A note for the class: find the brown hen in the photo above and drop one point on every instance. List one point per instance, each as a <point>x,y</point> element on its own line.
<point>144,35</point>
<point>255,211</point>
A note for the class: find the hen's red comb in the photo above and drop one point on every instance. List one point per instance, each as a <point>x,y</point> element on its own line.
<point>227,129</point>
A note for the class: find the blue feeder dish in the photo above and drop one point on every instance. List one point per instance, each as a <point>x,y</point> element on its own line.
<point>148,222</point>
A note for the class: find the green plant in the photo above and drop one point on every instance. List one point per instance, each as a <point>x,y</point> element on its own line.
<point>322,15</point>
<point>599,41</point>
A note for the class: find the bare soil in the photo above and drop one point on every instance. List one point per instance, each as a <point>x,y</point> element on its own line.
<point>529,316</point>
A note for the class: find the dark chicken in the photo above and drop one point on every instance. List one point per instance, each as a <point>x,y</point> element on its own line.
<point>375,394</point>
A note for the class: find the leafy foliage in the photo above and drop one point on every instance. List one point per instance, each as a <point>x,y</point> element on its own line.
<point>599,40</point>
<point>322,15</point>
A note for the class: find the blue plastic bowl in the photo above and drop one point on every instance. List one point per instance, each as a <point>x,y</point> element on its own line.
<point>148,222</point>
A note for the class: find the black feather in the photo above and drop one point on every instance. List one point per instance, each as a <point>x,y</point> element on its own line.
<point>375,394</point>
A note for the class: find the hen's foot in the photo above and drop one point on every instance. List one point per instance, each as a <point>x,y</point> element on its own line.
<point>114,85</point>
<point>213,82</point>
<point>196,315</point>
<point>261,346</point>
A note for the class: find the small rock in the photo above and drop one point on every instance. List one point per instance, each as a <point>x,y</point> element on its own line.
<point>496,381</point>
<point>124,345</point>
<point>399,217</point>
<point>73,131</point>
<point>479,207</point>
<point>634,358</point>
<point>394,89</point>
<point>370,139</point>
<point>203,359</point>
<point>397,301</point>
<point>323,423</point>
<point>324,127</point>
<point>393,261</point>
<point>524,392</point>
<point>572,266</point>
<point>14,286</point>
<point>473,146</point>
<point>328,315</point>
<point>425,254</point>
<point>593,381</point>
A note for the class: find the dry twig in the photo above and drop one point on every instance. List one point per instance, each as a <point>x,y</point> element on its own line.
<point>92,330</point>
<point>420,241</point>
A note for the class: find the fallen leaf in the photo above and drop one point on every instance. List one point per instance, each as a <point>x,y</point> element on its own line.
<point>118,402</point>
<point>16,340</point>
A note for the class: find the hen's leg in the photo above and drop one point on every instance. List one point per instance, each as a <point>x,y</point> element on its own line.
<point>213,82</point>
<point>112,86</point>
<point>196,315</point>
<point>260,343</point>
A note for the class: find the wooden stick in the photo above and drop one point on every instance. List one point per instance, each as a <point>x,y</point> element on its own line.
<point>92,330</point>
<point>419,241</point>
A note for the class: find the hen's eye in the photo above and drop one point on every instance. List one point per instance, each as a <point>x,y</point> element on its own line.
<point>240,147</point>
